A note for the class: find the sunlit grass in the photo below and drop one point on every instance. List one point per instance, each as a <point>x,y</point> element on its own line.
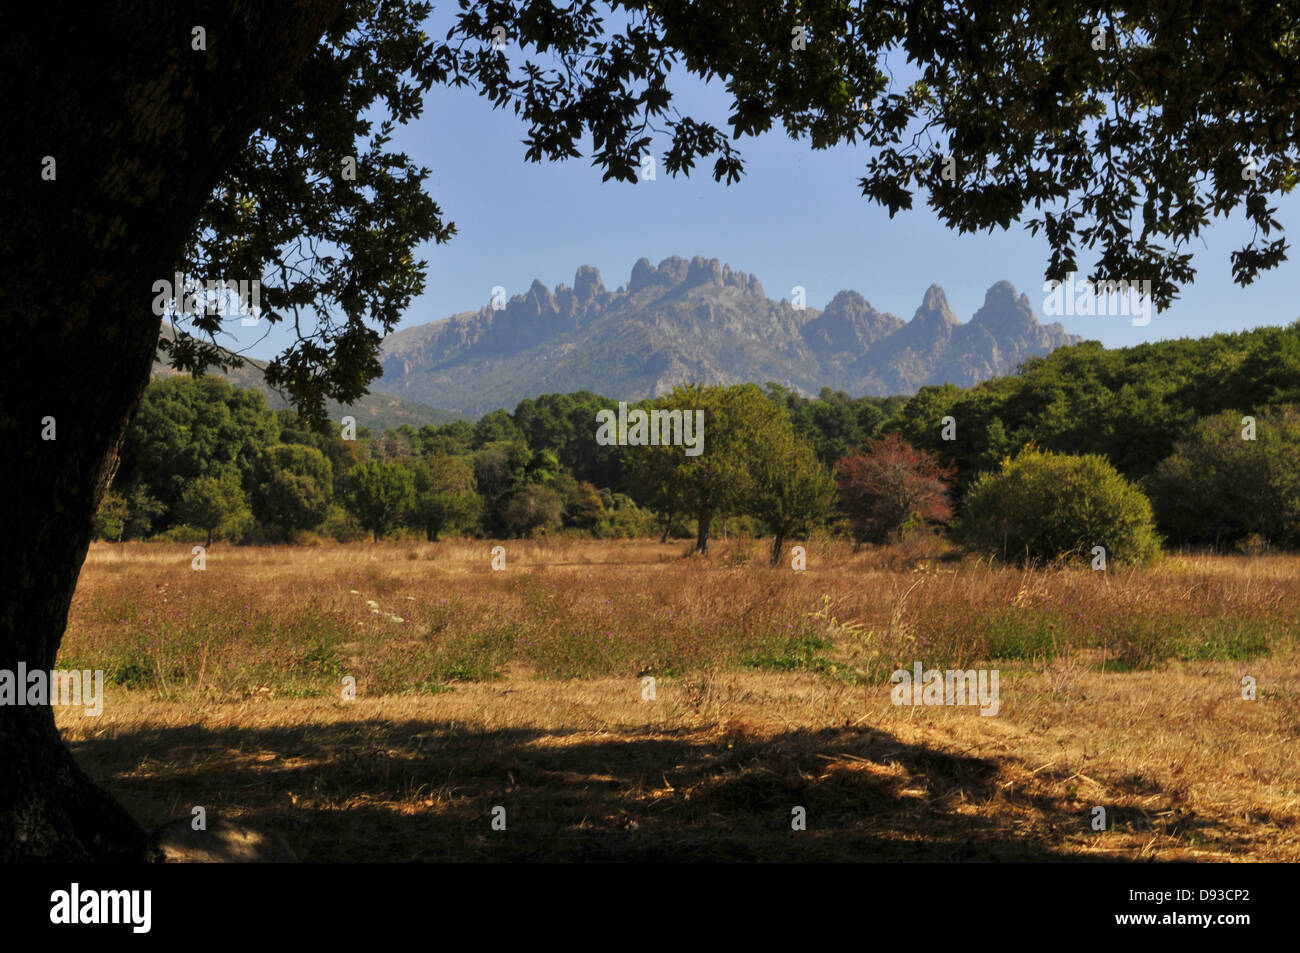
<point>474,686</point>
<point>401,618</point>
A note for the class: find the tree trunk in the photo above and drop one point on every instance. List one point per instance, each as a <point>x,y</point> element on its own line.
<point>668,528</point>
<point>777,545</point>
<point>140,127</point>
<point>702,533</point>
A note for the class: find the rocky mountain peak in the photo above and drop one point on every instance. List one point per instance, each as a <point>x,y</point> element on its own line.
<point>673,270</point>
<point>643,276</point>
<point>587,284</point>
<point>704,271</point>
<point>934,309</point>
<point>1004,312</point>
<point>646,338</point>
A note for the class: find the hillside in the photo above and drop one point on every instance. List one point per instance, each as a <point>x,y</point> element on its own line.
<point>377,411</point>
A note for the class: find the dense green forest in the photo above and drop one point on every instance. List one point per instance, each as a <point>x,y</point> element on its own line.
<point>1208,429</point>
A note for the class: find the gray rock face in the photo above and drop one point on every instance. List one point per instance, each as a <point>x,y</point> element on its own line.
<point>933,321</point>
<point>1005,315</point>
<point>673,270</point>
<point>700,320</point>
<point>643,275</point>
<point>704,271</point>
<point>849,325</point>
<point>587,284</point>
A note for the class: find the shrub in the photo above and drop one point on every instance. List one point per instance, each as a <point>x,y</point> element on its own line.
<point>110,521</point>
<point>1043,506</point>
<point>342,526</point>
<point>533,510</point>
<point>628,523</point>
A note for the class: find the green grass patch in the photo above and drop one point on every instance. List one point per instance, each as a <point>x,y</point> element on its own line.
<point>801,653</point>
<point>1225,640</point>
<point>323,660</point>
<point>1017,634</point>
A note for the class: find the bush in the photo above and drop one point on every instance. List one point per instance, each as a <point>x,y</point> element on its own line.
<point>626,524</point>
<point>110,521</point>
<point>533,510</point>
<point>341,526</point>
<point>1043,506</point>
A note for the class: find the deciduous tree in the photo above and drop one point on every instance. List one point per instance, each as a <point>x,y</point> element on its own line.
<point>379,493</point>
<point>792,490</point>
<point>1218,487</point>
<point>215,504</point>
<point>892,488</point>
<point>293,485</point>
<point>444,494</point>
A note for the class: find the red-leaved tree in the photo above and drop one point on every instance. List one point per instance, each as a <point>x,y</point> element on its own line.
<point>892,488</point>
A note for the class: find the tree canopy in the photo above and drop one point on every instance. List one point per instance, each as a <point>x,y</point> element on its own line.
<point>1118,136</point>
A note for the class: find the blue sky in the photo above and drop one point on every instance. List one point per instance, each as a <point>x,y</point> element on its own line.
<point>796,218</point>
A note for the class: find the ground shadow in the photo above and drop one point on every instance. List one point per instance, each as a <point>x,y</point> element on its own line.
<point>421,790</point>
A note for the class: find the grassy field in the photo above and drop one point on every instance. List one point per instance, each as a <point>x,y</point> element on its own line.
<point>524,689</point>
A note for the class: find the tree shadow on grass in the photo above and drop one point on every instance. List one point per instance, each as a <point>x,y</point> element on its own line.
<point>419,790</point>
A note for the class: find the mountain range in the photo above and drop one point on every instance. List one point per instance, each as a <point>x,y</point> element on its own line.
<point>700,321</point>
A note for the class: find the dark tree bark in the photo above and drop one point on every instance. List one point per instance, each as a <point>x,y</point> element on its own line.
<point>668,528</point>
<point>777,545</point>
<point>702,522</point>
<point>139,126</point>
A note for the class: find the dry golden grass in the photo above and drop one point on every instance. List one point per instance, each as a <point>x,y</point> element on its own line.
<point>523,689</point>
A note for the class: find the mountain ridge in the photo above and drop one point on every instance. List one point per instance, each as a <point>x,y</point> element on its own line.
<point>701,320</point>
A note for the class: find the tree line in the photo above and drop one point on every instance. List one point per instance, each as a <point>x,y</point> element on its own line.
<point>1205,429</point>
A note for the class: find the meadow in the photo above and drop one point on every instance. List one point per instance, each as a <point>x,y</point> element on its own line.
<point>527,689</point>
